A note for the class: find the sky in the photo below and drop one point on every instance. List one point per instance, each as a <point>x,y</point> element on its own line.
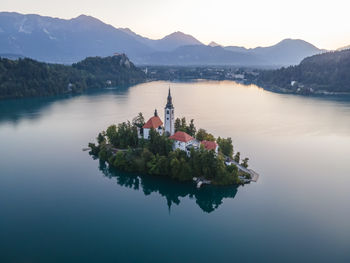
<point>249,23</point>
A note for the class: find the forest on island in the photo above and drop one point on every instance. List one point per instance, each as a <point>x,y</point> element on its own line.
<point>121,147</point>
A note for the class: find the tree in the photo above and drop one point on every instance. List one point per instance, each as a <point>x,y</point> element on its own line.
<point>100,138</point>
<point>139,120</point>
<point>183,124</point>
<point>159,143</point>
<point>225,146</point>
<point>191,129</point>
<point>112,135</point>
<point>237,157</point>
<point>245,162</point>
<point>203,135</point>
<point>177,124</point>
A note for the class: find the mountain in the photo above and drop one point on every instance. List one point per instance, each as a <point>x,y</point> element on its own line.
<point>67,41</point>
<point>287,52</point>
<point>202,55</point>
<point>327,72</point>
<point>167,43</point>
<point>343,48</point>
<point>175,40</point>
<point>214,44</point>
<point>28,78</point>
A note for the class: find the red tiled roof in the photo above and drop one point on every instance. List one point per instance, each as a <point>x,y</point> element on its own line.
<point>209,145</point>
<point>181,136</point>
<point>153,122</point>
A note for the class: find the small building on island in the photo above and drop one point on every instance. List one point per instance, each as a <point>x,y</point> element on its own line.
<point>210,145</point>
<point>183,141</point>
<point>153,123</point>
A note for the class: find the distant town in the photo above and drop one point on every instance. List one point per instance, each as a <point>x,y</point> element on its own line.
<point>238,74</point>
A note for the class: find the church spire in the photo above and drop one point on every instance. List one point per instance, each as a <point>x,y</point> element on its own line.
<point>169,120</point>
<point>169,101</point>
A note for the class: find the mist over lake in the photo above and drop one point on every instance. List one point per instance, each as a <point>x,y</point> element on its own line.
<point>58,204</point>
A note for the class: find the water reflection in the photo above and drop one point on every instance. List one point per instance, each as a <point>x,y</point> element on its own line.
<point>208,198</point>
<point>15,110</point>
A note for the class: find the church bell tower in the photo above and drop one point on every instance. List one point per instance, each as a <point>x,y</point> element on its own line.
<point>169,120</point>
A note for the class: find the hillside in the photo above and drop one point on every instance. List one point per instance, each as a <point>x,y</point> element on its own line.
<point>202,55</point>
<point>328,72</point>
<point>29,78</point>
<point>68,41</point>
<point>64,41</point>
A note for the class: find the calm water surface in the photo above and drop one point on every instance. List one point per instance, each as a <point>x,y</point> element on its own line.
<point>57,204</point>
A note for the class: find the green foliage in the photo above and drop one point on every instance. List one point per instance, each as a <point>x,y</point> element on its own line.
<point>159,143</point>
<point>29,78</point>
<point>177,124</point>
<point>328,71</point>
<point>203,135</point>
<point>181,125</point>
<point>191,129</point>
<point>245,162</point>
<point>123,136</point>
<point>225,146</point>
<point>139,120</point>
<point>104,154</point>
<point>100,138</point>
<point>94,149</point>
<point>237,157</point>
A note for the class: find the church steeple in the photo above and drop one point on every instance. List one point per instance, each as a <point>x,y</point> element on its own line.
<point>169,120</point>
<point>169,101</point>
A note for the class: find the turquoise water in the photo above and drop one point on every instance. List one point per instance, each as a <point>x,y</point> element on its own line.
<point>58,204</point>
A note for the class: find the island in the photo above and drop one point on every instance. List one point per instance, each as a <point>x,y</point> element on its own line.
<point>176,150</point>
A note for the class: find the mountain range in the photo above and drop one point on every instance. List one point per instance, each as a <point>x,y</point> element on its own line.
<point>67,41</point>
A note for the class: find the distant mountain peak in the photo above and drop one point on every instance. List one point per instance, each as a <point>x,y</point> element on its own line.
<point>180,36</point>
<point>87,19</point>
<point>214,44</point>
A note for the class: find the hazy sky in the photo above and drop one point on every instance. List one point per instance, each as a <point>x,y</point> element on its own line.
<point>249,23</point>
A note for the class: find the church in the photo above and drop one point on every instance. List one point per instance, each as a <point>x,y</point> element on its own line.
<point>156,123</point>
<point>182,140</point>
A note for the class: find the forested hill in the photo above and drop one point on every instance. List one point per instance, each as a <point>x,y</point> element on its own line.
<point>327,72</point>
<point>29,78</point>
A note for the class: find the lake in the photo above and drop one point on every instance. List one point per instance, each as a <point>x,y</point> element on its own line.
<point>58,204</point>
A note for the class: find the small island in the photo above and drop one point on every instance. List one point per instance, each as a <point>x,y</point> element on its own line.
<point>176,150</point>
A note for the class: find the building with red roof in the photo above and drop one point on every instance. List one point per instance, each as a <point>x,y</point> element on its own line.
<point>210,145</point>
<point>182,140</point>
<point>153,123</point>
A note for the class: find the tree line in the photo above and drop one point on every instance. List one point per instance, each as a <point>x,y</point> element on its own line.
<point>324,72</point>
<point>28,78</point>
